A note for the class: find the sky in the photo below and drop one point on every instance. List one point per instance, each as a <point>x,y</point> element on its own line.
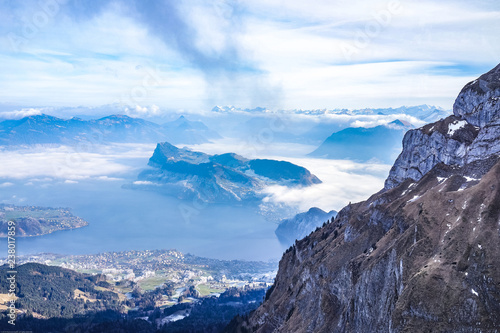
<point>158,56</point>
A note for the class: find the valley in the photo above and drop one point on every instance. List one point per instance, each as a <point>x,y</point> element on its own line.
<point>94,181</point>
<point>159,287</point>
<point>150,269</point>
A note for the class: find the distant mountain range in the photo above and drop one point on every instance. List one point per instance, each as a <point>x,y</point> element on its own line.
<point>258,124</point>
<point>381,143</point>
<point>310,127</point>
<point>45,129</point>
<point>427,113</point>
<point>216,178</point>
<point>231,109</point>
<point>302,224</point>
<point>423,112</point>
<point>186,131</point>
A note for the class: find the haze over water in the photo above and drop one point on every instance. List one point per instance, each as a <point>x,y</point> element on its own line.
<point>122,219</point>
<point>91,185</point>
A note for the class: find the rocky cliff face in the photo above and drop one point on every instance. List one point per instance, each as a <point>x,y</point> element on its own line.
<point>470,134</point>
<point>419,256</point>
<point>477,102</point>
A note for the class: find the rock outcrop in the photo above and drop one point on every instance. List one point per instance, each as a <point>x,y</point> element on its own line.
<point>469,135</point>
<point>419,256</point>
<point>478,101</point>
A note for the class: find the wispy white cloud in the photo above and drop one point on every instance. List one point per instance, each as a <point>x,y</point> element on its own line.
<point>57,163</point>
<point>377,120</point>
<point>143,182</point>
<point>253,147</point>
<point>111,179</point>
<point>42,165</point>
<point>280,54</point>
<point>18,114</point>
<point>143,111</point>
<point>424,54</point>
<point>343,182</point>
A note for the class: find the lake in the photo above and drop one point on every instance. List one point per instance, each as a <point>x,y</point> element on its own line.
<point>121,219</point>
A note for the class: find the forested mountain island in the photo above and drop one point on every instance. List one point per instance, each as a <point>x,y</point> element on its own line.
<point>156,290</point>
<point>221,178</point>
<point>37,221</point>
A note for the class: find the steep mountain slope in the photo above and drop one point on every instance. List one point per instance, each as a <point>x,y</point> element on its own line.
<point>419,256</point>
<point>382,143</point>
<point>216,178</point>
<point>302,225</point>
<point>58,292</point>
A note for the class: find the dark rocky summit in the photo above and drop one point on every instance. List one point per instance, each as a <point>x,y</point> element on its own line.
<point>421,255</point>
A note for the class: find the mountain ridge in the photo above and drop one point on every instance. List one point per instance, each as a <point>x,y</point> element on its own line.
<point>381,143</point>
<point>47,129</point>
<point>226,177</point>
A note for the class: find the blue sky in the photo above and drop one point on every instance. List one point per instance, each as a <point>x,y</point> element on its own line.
<point>191,55</point>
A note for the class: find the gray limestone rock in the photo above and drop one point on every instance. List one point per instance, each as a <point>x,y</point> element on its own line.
<point>471,134</point>
<point>478,101</point>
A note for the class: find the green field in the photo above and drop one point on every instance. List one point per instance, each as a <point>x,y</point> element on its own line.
<point>152,282</point>
<point>48,213</point>
<point>206,290</point>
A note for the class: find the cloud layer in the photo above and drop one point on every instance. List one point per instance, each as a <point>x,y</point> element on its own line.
<point>71,163</point>
<point>18,114</point>
<point>343,182</point>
